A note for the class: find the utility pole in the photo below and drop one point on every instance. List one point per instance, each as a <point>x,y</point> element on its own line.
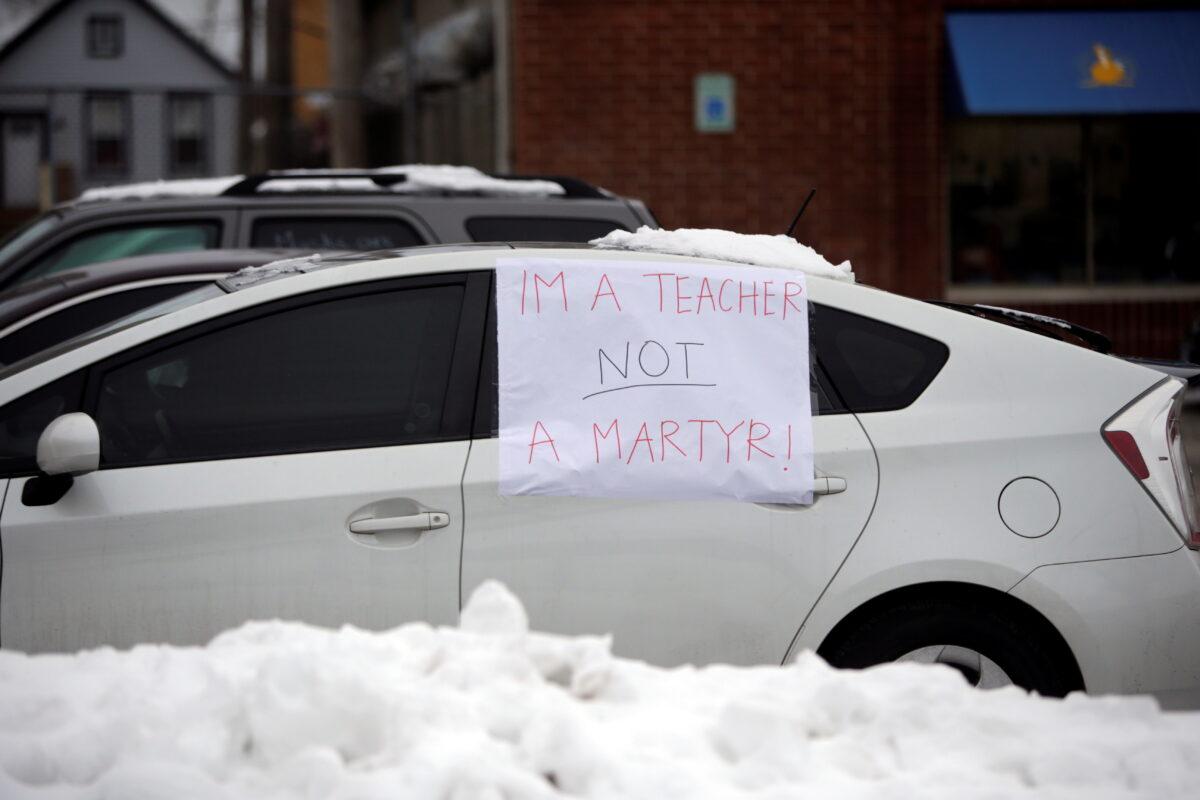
<point>279,80</point>
<point>411,109</point>
<point>347,141</point>
<point>246,110</point>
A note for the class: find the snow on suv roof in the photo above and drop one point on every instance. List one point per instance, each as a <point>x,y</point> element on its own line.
<point>758,249</point>
<point>400,179</point>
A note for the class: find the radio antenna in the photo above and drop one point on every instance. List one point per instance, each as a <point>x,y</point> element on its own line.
<point>800,213</point>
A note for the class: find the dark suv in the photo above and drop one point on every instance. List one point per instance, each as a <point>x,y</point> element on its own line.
<point>314,210</point>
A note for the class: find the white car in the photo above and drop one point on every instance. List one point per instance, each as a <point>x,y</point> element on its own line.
<point>1015,506</point>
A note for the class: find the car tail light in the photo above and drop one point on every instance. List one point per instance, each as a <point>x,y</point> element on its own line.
<point>1148,439</point>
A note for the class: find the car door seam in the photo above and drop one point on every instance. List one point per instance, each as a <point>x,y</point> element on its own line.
<point>462,504</point>
<point>3,501</point>
<point>849,550</point>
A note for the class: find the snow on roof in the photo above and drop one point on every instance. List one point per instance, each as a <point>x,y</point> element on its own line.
<point>16,17</point>
<point>190,187</point>
<point>283,710</point>
<point>419,179</point>
<point>248,276</point>
<point>758,249</point>
<point>214,24</point>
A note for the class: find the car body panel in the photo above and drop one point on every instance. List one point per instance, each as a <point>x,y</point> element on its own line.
<point>128,556</point>
<point>438,218</point>
<point>1007,404</point>
<point>1111,614</point>
<point>704,570</point>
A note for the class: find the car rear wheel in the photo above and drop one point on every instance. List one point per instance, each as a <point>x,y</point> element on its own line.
<point>990,646</point>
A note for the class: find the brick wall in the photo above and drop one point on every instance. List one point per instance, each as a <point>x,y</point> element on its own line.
<point>844,95</point>
<point>841,95</point>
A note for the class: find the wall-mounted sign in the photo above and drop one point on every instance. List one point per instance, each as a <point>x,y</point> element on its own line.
<point>715,102</point>
<point>1107,70</point>
<point>653,379</point>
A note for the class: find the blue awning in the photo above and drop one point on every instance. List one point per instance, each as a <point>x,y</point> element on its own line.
<point>1074,62</point>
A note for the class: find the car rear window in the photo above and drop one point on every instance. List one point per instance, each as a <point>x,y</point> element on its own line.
<point>334,233</point>
<point>871,365</point>
<point>539,229</point>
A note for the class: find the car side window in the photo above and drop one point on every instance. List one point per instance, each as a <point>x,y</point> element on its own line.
<point>360,371</point>
<point>334,233</point>
<point>871,365</point>
<point>83,317</point>
<point>539,229</point>
<point>107,244</point>
<point>23,420</point>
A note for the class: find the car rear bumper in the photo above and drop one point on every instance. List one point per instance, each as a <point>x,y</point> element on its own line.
<point>1133,623</point>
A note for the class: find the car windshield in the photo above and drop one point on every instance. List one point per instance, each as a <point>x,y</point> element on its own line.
<point>24,236</point>
<point>206,292</point>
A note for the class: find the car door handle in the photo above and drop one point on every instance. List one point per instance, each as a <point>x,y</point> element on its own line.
<point>828,485</point>
<point>425,521</point>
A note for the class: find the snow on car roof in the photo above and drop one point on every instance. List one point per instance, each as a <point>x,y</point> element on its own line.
<point>490,709</point>
<point>248,276</point>
<point>192,187</point>
<point>418,179</point>
<point>758,249</point>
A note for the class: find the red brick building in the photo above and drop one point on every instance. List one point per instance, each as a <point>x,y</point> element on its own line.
<point>1076,210</point>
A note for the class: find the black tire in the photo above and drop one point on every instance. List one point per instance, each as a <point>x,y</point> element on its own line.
<point>1020,641</point>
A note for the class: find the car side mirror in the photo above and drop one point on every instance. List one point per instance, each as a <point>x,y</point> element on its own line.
<point>70,445</point>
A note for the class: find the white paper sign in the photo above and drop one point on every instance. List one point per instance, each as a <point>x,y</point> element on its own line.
<point>653,379</point>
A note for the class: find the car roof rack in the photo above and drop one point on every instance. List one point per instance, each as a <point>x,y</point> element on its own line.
<point>250,184</point>
<point>573,188</point>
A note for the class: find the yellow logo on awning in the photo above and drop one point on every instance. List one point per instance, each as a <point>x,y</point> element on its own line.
<point>1106,70</point>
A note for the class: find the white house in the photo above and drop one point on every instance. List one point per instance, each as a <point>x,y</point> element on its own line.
<point>110,91</point>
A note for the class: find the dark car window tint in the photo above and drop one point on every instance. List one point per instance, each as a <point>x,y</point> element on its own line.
<point>539,229</point>
<point>332,233</point>
<point>872,365</point>
<point>23,420</point>
<point>131,240</point>
<point>354,372</point>
<point>81,318</point>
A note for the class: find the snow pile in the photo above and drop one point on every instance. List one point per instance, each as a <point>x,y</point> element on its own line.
<point>760,250</point>
<point>489,710</point>
<point>190,187</point>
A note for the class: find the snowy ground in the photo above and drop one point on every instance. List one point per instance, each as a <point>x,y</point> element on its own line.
<point>492,711</point>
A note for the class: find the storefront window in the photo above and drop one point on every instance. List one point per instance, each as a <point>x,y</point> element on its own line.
<point>1075,201</point>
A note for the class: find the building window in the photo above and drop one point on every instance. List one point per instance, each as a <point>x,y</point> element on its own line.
<point>1075,200</point>
<point>187,133</point>
<point>105,36</point>
<point>108,134</point>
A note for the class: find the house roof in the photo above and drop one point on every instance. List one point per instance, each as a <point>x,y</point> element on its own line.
<point>19,27</point>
